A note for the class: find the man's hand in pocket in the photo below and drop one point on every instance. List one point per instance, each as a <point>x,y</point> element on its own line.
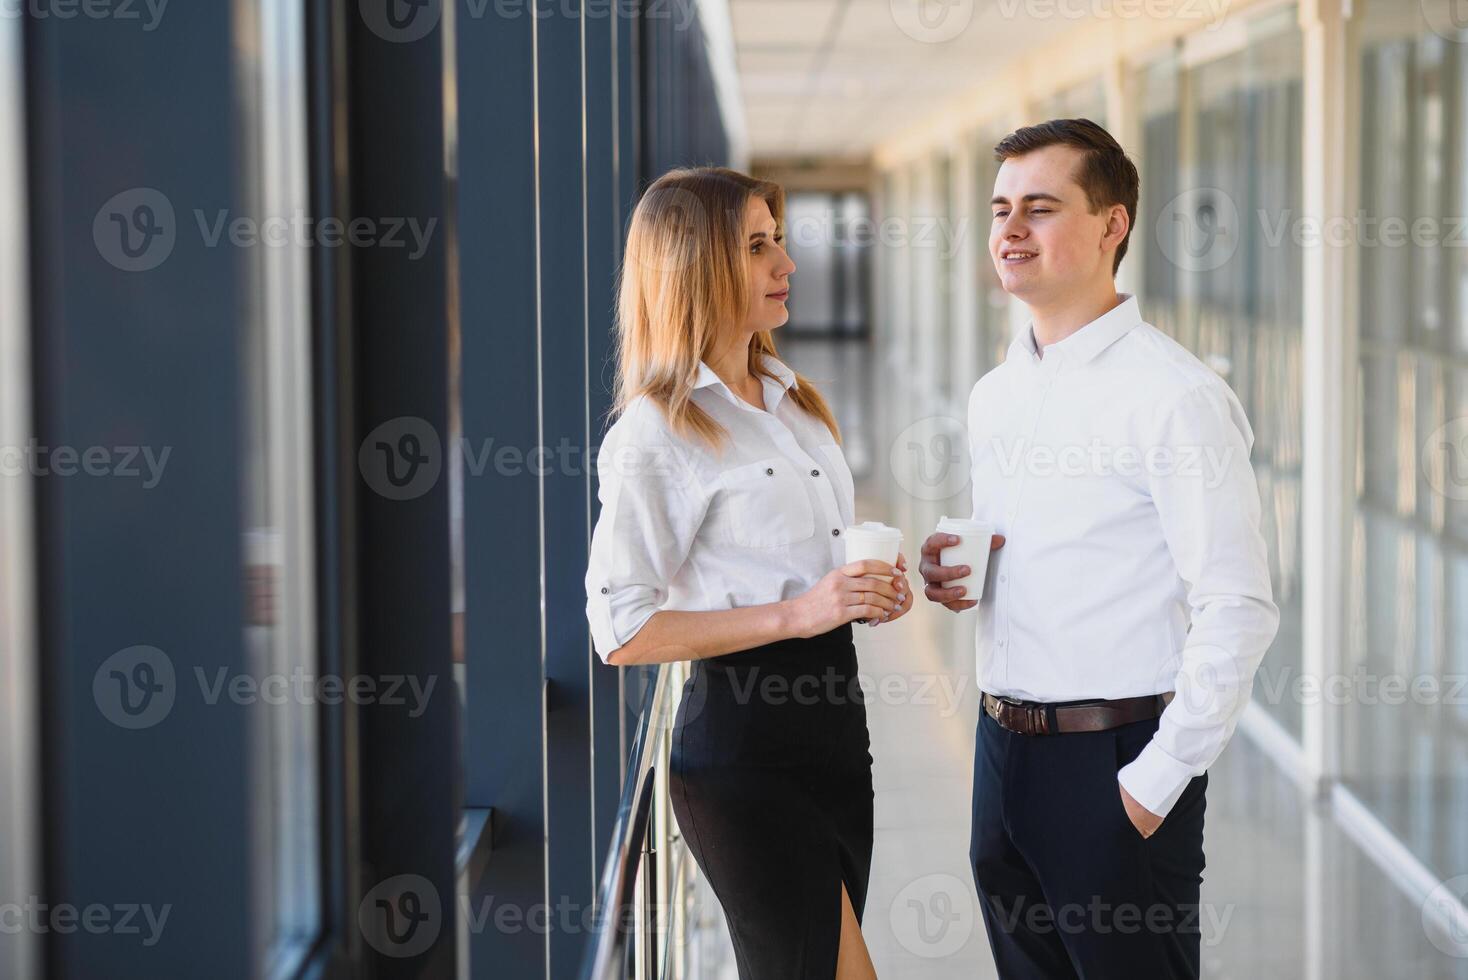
<point>1142,818</point>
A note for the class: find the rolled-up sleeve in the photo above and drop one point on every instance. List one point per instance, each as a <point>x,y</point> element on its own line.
<point>652,505</point>
<point>1206,496</point>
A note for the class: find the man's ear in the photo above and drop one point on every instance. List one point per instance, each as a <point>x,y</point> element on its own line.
<point>1117,225</point>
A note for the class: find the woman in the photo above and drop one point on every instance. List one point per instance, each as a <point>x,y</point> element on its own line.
<point>725,498</point>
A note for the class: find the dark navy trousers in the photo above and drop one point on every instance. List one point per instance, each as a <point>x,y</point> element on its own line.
<point>1067,885</point>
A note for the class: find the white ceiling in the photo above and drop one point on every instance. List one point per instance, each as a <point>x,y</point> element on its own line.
<point>836,77</point>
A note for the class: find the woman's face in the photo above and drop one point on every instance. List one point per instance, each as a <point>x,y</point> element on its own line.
<point>769,268</point>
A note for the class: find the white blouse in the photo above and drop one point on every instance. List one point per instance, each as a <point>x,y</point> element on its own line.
<point>686,526</point>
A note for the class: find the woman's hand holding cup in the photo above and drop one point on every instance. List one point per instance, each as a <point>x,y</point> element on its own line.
<point>904,594</point>
<point>866,589</point>
<point>873,539</point>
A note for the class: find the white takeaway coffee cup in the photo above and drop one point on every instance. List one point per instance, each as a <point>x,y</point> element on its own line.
<point>872,539</point>
<point>975,539</point>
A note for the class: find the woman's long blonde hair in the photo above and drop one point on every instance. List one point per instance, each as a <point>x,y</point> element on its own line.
<point>684,284</point>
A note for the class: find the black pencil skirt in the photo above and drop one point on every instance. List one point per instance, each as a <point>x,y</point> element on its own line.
<point>771,782</point>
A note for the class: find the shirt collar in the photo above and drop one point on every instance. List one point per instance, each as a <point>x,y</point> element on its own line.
<point>775,366</point>
<point>1082,346</point>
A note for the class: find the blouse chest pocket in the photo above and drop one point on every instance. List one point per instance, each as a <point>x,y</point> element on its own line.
<point>765,505</point>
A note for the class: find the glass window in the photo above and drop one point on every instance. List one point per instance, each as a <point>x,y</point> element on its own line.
<point>991,305</point>
<point>1406,756</point>
<point>853,263</point>
<point>19,747</point>
<point>1221,179</point>
<point>278,550</point>
<point>810,238</point>
<point>940,235</point>
<point>828,235</point>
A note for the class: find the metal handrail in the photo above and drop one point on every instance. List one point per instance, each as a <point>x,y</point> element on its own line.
<point>609,954</point>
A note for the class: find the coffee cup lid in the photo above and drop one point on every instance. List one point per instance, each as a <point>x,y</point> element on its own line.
<point>962,525</point>
<point>876,529</point>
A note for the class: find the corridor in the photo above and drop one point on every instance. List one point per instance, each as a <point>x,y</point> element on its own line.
<point>308,339</point>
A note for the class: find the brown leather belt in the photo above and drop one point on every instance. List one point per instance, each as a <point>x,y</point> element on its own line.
<point>1042,718</point>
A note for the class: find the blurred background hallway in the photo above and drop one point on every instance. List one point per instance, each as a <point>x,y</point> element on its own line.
<point>306,310</point>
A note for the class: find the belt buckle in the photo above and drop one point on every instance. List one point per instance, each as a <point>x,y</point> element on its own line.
<point>1028,710</point>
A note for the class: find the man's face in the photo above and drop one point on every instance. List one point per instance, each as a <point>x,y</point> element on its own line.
<point>1044,241</point>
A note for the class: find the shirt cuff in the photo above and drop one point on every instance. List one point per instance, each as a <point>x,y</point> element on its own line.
<point>1155,779</point>
<point>611,627</point>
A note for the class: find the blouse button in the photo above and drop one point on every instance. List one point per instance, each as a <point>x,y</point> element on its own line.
<point>605,590</point>
<point>835,532</point>
<point>815,472</point>
<point>770,471</point>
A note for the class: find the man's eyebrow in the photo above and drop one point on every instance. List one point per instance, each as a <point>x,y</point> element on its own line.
<point>1037,196</point>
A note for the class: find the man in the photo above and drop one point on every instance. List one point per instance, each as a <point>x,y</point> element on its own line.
<point>1128,608</point>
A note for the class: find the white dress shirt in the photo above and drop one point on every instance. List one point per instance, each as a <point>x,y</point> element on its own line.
<point>1117,467</point>
<point>684,526</point>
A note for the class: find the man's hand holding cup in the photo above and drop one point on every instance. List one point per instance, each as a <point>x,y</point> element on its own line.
<point>957,586</point>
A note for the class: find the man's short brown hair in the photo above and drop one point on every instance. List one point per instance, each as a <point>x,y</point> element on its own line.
<point>1106,173</point>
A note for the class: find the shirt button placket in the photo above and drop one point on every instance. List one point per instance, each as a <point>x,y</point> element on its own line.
<point>1047,371</point>
<point>791,448</point>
